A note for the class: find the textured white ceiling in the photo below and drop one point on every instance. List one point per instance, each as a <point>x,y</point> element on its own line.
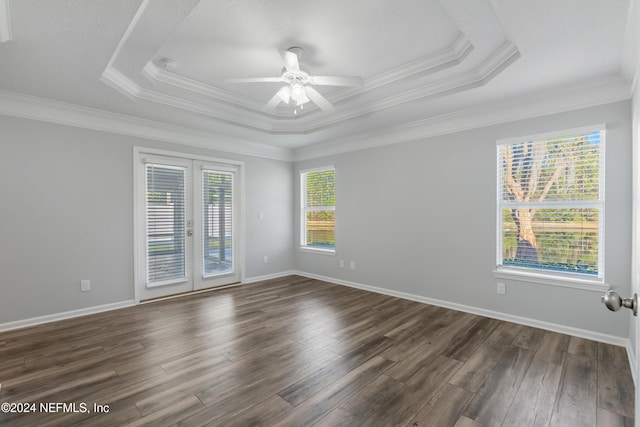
<point>420,59</point>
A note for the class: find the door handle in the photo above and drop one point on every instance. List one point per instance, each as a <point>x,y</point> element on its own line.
<point>614,302</point>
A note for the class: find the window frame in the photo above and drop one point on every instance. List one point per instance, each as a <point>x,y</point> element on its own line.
<point>304,247</point>
<point>543,275</point>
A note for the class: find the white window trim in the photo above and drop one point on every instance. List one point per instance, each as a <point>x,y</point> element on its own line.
<point>550,277</point>
<point>312,250</point>
<point>304,209</point>
<point>569,280</point>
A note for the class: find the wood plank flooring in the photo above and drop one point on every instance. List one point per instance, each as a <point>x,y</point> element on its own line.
<point>301,352</point>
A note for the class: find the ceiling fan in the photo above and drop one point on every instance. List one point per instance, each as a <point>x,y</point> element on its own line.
<point>299,87</point>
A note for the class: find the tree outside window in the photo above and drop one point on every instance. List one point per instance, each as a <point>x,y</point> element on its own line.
<point>550,202</point>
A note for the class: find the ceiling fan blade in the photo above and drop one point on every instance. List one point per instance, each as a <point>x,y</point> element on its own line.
<point>290,61</point>
<point>285,94</point>
<point>254,80</point>
<point>273,102</point>
<point>337,81</point>
<point>319,100</point>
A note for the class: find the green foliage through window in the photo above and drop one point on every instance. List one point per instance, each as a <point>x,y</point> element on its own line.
<point>551,203</point>
<point>318,207</point>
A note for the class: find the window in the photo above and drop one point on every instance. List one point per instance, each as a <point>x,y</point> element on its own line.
<point>551,203</point>
<point>165,211</point>
<point>318,205</point>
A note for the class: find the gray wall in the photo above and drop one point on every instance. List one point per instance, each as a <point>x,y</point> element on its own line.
<point>406,213</point>
<point>420,218</point>
<point>66,214</point>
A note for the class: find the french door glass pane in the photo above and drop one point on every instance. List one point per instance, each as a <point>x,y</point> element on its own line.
<point>218,226</point>
<point>165,223</point>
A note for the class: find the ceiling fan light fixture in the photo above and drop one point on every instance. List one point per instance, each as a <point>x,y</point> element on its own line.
<point>298,92</point>
<point>299,84</point>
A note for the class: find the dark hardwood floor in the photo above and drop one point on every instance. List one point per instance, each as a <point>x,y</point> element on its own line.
<point>300,352</point>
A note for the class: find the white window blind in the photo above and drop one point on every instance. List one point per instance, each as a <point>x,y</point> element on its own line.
<point>217,213</point>
<point>318,208</point>
<point>551,202</point>
<point>165,218</point>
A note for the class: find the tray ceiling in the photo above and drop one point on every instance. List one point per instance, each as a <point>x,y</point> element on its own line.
<point>167,60</point>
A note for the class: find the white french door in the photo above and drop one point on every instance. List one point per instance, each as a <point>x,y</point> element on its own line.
<point>187,217</point>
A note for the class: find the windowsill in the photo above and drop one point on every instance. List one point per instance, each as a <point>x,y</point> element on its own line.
<point>566,281</point>
<point>311,250</point>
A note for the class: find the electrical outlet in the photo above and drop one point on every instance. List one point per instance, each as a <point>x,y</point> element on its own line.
<point>352,265</point>
<point>501,288</point>
<point>261,215</point>
<point>341,263</point>
<point>265,259</point>
<point>85,285</point>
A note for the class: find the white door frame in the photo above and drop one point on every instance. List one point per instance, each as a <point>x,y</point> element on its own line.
<point>634,358</point>
<point>634,353</point>
<point>139,153</point>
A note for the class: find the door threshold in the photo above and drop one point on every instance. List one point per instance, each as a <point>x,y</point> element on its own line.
<point>184,294</point>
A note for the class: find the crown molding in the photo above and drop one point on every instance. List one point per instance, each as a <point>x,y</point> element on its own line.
<point>120,83</point>
<point>584,95</point>
<point>230,108</point>
<point>444,59</point>
<point>132,91</point>
<point>155,74</point>
<point>5,22</point>
<point>494,64</point>
<point>34,108</point>
<point>504,56</point>
<point>204,109</point>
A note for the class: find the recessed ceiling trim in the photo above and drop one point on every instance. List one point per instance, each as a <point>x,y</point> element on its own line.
<point>486,71</point>
<point>446,58</point>
<point>34,108</point>
<point>121,83</point>
<point>439,61</point>
<point>131,90</point>
<point>500,59</point>
<point>155,74</point>
<point>5,22</point>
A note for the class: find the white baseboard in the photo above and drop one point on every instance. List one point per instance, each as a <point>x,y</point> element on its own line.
<point>632,362</point>
<point>34,321</point>
<point>554,327</point>
<point>268,276</point>
<point>582,333</point>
